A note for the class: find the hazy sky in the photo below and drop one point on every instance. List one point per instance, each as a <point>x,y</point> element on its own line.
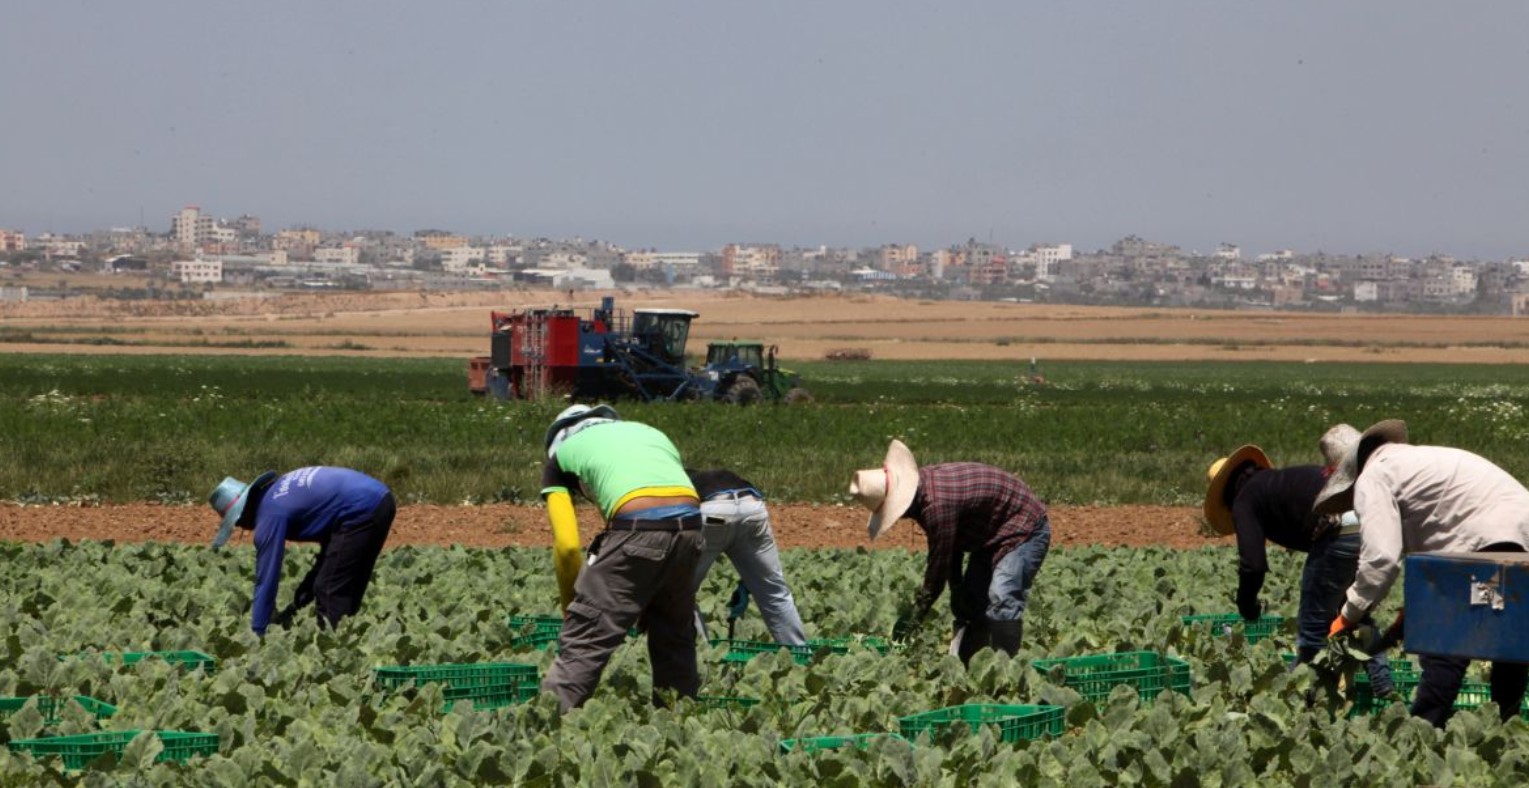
<point>1346,127</point>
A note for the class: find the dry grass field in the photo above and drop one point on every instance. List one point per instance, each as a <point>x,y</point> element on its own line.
<point>805,328</point>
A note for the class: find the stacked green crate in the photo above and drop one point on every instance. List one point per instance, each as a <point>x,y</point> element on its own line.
<point>1014,722</point>
<point>745,650</point>
<point>1094,677</point>
<point>52,707</point>
<point>78,751</point>
<point>1224,624</point>
<point>488,685</point>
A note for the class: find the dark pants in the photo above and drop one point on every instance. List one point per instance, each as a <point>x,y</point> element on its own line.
<point>1330,567</point>
<point>632,578</point>
<point>338,580</point>
<point>1442,677</point>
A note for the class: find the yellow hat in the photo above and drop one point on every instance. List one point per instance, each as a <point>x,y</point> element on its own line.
<point>1220,473</point>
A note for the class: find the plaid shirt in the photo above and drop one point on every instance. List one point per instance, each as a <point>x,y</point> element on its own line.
<point>969,507</point>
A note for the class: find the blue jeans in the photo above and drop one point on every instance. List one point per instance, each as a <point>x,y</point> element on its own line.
<point>740,528</point>
<point>1002,591</point>
<point>1329,571</point>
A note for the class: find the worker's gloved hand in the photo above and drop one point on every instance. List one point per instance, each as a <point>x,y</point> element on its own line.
<point>1250,609</point>
<point>903,628</point>
<point>1339,626</point>
<point>738,603</point>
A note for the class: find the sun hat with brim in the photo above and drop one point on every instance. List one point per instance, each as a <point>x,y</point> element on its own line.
<point>887,491</point>
<point>560,430</point>
<point>1219,475</point>
<point>1337,496</point>
<point>229,499</point>
<point>1336,442</point>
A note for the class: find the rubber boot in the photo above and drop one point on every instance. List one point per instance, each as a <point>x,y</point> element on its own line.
<point>974,640</point>
<point>1006,635</point>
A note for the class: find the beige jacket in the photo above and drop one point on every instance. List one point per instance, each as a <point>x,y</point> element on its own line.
<point>1428,499</point>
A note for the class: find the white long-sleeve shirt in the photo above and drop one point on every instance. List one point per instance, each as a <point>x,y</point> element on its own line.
<point>1428,499</point>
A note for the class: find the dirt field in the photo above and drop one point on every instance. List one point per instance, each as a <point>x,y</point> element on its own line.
<point>455,325</point>
<point>503,525</point>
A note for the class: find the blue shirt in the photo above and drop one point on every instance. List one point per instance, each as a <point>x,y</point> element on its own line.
<point>305,505</point>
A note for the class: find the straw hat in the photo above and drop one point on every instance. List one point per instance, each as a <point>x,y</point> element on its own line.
<point>1337,496</point>
<point>887,491</point>
<point>1336,442</point>
<point>229,499</point>
<point>1218,475</point>
<point>575,418</point>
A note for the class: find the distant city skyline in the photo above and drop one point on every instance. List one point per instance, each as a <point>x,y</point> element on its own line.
<point>1365,127</point>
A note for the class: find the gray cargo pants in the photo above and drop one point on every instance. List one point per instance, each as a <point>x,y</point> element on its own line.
<point>631,577</point>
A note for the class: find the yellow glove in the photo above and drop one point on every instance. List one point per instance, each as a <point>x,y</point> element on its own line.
<point>567,558</point>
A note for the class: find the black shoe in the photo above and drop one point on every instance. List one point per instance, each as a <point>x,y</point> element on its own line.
<point>1005,635</point>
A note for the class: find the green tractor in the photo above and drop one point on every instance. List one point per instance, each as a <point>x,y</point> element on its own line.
<point>744,372</point>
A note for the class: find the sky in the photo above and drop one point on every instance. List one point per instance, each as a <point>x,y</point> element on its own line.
<point>1353,127</point>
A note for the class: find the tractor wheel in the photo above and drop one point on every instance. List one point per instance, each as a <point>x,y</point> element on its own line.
<point>743,391</point>
<point>797,395</point>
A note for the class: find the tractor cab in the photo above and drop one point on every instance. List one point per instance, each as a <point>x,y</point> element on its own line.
<point>663,332</point>
<point>735,355</point>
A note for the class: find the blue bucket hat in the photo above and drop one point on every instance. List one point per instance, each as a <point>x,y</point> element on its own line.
<point>229,499</point>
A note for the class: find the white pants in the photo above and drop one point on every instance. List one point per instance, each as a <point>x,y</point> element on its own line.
<point>740,528</point>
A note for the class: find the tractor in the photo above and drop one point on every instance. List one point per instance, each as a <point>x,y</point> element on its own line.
<point>744,372</point>
<point>606,353</point>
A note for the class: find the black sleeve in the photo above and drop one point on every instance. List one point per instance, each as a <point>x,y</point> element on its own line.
<point>554,476</point>
<point>1252,554</point>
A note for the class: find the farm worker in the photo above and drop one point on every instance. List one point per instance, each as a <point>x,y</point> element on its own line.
<point>736,522</point>
<point>1245,495</point>
<point>345,511</point>
<point>983,516</point>
<point>640,568</point>
<point>1425,499</point>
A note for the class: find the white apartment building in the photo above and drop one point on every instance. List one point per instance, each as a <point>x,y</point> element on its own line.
<point>1463,279</point>
<point>1046,258</point>
<point>190,228</point>
<point>344,255</point>
<point>464,260</point>
<point>679,261</point>
<point>58,246</point>
<point>197,271</point>
<point>1367,291</point>
<point>1228,252</point>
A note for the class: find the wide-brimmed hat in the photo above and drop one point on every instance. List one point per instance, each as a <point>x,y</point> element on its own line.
<point>1336,442</point>
<point>1337,496</point>
<point>1219,475</point>
<point>887,491</point>
<point>229,499</point>
<point>575,418</point>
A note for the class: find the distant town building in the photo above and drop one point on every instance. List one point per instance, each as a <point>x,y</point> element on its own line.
<point>759,261</point>
<point>191,228</point>
<point>197,271</point>
<point>12,241</point>
<point>463,260</point>
<point>346,255</point>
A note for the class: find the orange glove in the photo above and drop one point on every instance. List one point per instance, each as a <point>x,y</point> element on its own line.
<point>1340,625</point>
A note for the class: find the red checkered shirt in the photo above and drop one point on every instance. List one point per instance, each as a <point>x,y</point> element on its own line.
<point>969,507</point>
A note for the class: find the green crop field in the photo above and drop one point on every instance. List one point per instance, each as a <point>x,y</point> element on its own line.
<point>121,428</point>
<point>302,701</point>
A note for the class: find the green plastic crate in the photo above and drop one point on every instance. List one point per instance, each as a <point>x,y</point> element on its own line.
<point>51,707</point>
<point>725,702</point>
<point>78,751</point>
<point>492,696</point>
<point>1094,677</point>
<point>858,741</point>
<point>535,631</point>
<point>458,675</point>
<point>1227,623</point>
<point>541,631</point>
<point>745,650</point>
<point>190,660</point>
<point>1014,723</point>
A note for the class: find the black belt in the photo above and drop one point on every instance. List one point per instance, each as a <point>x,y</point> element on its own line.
<point>689,522</point>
